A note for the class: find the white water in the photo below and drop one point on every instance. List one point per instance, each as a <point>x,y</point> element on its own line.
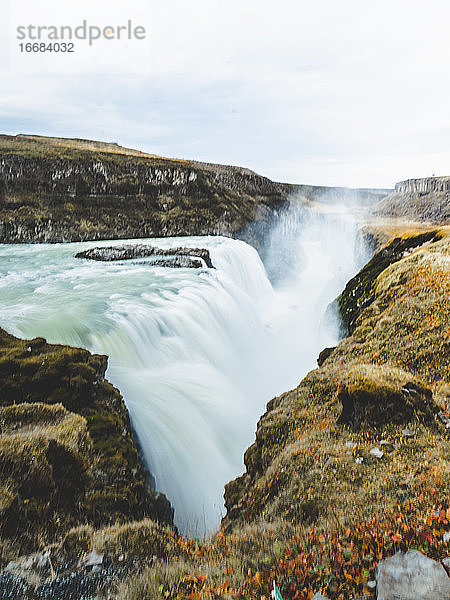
<point>196,353</point>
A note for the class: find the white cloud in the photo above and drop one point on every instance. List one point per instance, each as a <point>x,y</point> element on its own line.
<point>344,93</point>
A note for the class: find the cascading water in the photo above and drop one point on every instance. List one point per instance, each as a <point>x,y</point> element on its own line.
<point>196,353</point>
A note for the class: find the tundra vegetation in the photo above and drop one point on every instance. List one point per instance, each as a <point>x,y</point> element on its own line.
<point>346,469</point>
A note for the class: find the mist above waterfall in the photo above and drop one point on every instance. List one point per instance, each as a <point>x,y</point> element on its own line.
<point>197,353</point>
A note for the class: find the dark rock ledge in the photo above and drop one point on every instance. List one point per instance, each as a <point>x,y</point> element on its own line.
<point>168,257</point>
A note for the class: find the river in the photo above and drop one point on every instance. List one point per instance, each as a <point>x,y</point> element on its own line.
<point>196,353</point>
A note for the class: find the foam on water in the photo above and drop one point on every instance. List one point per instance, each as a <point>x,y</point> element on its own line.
<point>197,353</point>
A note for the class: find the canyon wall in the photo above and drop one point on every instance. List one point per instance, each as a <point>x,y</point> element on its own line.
<point>59,190</point>
<point>425,199</point>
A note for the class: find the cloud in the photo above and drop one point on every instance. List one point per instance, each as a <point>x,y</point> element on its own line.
<point>343,93</point>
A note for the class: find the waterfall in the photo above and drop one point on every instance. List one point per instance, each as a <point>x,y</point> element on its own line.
<point>196,353</point>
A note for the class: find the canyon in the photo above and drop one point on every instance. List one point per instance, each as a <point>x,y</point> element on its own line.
<point>350,460</point>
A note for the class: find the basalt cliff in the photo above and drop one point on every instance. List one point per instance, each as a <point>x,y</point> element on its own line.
<point>61,190</point>
<point>425,199</point>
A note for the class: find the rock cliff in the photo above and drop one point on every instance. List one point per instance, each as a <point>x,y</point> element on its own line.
<point>67,453</point>
<point>52,193</point>
<point>425,199</point>
<point>57,190</point>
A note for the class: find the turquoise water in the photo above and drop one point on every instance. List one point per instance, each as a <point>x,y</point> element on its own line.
<point>196,353</point>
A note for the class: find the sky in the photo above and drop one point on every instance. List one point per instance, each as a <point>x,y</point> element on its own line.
<point>352,93</point>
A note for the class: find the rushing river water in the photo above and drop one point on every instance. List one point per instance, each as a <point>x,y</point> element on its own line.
<point>196,353</point>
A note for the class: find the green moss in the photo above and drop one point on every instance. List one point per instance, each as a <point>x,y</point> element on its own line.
<point>360,291</point>
<point>79,465</point>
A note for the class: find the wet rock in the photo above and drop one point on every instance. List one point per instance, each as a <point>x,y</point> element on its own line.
<point>326,353</point>
<point>164,257</point>
<point>412,576</point>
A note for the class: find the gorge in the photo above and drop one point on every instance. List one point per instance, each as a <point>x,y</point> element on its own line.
<point>197,354</point>
<point>349,464</point>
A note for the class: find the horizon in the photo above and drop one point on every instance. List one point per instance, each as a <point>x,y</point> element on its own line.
<point>343,96</point>
<point>146,154</point>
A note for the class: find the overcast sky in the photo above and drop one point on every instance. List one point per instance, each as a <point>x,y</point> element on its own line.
<point>327,92</point>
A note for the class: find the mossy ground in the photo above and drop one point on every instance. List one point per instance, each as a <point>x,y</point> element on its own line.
<point>316,509</point>
<point>66,449</point>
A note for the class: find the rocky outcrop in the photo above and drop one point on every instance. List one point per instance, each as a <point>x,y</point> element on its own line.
<point>166,257</point>
<point>425,199</point>
<point>430,185</point>
<point>374,396</point>
<point>67,452</point>
<point>60,190</point>
<point>360,290</point>
<point>315,457</point>
<point>412,576</point>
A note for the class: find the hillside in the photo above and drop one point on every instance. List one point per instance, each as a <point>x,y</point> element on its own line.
<point>418,200</point>
<point>54,190</point>
<point>67,452</point>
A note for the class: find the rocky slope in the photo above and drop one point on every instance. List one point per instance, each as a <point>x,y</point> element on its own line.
<point>347,469</point>
<point>418,200</point>
<point>67,454</point>
<point>54,190</point>
<point>389,375</point>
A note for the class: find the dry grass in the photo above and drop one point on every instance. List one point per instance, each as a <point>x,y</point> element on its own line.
<point>316,509</point>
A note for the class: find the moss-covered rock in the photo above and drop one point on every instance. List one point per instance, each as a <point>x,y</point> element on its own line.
<point>67,454</point>
<point>374,396</point>
<point>360,290</point>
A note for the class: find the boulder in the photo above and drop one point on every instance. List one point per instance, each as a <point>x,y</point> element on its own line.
<point>377,395</point>
<point>326,353</point>
<point>412,576</point>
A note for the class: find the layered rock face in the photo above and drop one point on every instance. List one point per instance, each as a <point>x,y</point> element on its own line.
<point>425,199</point>
<point>59,190</point>
<point>53,193</point>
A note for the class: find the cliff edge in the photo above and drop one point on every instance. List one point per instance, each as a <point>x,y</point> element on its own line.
<point>67,453</point>
<point>64,190</point>
<point>425,199</point>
